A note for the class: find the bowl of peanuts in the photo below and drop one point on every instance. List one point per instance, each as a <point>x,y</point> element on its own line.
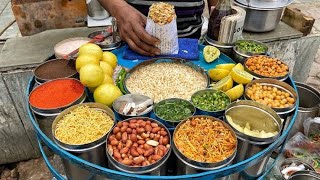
<point>278,95</point>
<point>138,145</point>
<point>266,67</point>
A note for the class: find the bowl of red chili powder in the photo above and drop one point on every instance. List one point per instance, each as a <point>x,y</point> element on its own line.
<point>52,97</point>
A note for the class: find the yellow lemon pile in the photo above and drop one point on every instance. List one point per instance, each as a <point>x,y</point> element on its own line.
<point>96,69</point>
<point>225,75</point>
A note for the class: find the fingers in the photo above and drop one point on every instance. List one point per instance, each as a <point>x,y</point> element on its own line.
<point>136,48</point>
<point>142,44</point>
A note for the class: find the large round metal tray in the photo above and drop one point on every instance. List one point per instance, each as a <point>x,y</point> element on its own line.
<point>103,171</point>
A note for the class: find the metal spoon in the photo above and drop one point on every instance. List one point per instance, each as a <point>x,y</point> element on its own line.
<point>114,26</point>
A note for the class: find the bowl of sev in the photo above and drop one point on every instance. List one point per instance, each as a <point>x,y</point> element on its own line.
<point>204,143</point>
<point>83,126</point>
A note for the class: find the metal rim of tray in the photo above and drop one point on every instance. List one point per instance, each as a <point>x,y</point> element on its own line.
<point>225,171</point>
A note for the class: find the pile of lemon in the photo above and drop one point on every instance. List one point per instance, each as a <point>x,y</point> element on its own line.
<point>225,75</point>
<point>96,68</point>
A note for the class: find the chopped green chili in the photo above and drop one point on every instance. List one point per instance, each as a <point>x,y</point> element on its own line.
<point>174,110</point>
<point>249,46</point>
<point>211,101</point>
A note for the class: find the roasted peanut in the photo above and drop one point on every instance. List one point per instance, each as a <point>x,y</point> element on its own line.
<point>134,151</point>
<point>140,150</point>
<point>119,145</point>
<point>165,140</point>
<point>116,154</point>
<point>148,128</point>
<point>129,130</point>
<point>123,129</point>
<point>124,150</point>
<point>133,137</point>
<point>163,133</point>
<point>156,157</point>
<point>144,135</point>
<point>138,160</point>
<point>118,136</point>
<point>131,121</point>
<point>154,125</point>
<point>128,143</point>
<point>140,130</point>
<point>124,137</point>
<point>125,123</point>
<point>114,142</point>
<point>135,145</point>
<point>146,146</point>
<point>116,130</point>
<point>127,161</point>
<point>148,152</point>
<point>155,129</point>
<point>112,137</point>
<point>132,126</point>
<point>141,142</point>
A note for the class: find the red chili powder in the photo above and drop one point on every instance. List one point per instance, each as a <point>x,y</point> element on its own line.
<point>55,94</point>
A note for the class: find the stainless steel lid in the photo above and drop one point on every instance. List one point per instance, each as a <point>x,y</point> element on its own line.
<point>265,4</point>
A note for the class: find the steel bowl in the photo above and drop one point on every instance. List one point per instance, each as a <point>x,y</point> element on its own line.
<point>268,4</point>
<point>203,165</point>
<point>297,161</point>
<point>261,19</point>
<point>162,60</point>
<point>55,66</point>
<point>240,55</point>
<point>140,169</point>
<point>107,44</point>
<point>252,112</point>
<point>282,112</point>
<point>206,112</point>
<point>56,111</point>
<point>223,47</point>
<point>75,148</point>
<point>136,98</point>
<point>258,76</point>
<point>172,123</point>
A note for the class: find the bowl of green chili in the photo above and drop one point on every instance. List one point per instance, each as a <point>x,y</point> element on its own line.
<point>247,48</point>
<point>172,111</point>
<point>210,102</point>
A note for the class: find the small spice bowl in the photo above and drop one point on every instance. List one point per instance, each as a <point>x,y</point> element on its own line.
<point>258,75</point>
<point>165,110</point>
<point>212,98</point>
<point>107,44</point>
<point>55,69</point>
<point>142,104</point>
<point>241,51</point>
<point>293,161</point>
<point>66,46</point>
<point>38,98</point>
<point>285,95</point>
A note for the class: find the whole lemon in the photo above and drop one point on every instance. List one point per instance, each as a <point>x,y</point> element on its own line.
<point>107,69</point>
<point>110,58</point>
<point>107,79</point>
<point>92,49</point>
<point>91,75</point>
<point>85,59</point>
<point>106,94</point>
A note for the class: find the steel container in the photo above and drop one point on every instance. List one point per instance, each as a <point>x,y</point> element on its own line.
<point>56,111</point>
<point>287,162</point>
<point>93,152</point>
<point>60,64</point>
<point>96,11</point>
<point>107,44</point>
<point>282,112</point>
<point>223,47</point>
<point>189,166</point>
<point>171,123</point>
<point>136,98</point>
<point>258,76</point>
<point>205,112</point>
<point>261,19</point>
<point>309,106</point>
<point>240,55</point>
<point>248,145</point>
<point>305,175</point>
<point>158,168</point>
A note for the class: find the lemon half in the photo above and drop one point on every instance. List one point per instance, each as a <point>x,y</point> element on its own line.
<point>217,74</point>
<point>210,53</point>
<point>224,84</point>
<point>240,76</point>
<point>235,92</point>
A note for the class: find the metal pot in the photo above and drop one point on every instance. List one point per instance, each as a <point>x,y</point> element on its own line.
<point>309,106</point>
<point>261,19</point>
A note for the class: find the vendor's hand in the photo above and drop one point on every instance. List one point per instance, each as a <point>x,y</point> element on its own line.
<point>131,25</point>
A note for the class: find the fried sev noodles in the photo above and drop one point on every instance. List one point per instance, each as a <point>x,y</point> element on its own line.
<point>205,140</point>
<point>83,125</point>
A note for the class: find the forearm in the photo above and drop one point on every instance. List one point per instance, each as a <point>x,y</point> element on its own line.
<point>113,6</point>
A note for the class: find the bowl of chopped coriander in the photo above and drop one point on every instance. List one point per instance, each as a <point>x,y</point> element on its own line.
<point>247,48</point>
<point>210,102</point>
<point>172,111</point>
